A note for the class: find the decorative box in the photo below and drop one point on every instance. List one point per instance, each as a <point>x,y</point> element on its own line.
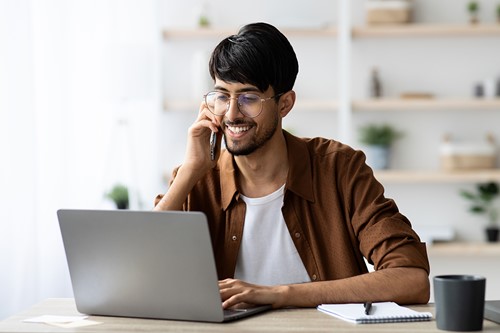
<point>468,155</point>
<point>388,11</point>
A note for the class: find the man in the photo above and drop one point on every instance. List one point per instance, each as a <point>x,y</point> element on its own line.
<point>290,218</point>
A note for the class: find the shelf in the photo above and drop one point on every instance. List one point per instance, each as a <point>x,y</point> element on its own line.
<point>386,104</point>
<point>398,104</point>
<point>416,176</point>
<point>402,30</point>
<point>223,32</point>
<point>464,249</point>
<point>304,104</point>
<point>427,30</point>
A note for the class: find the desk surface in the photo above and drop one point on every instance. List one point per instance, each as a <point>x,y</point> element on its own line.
<point>289,320</point>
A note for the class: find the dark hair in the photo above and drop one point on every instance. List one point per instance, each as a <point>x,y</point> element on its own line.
<point>259,55</point>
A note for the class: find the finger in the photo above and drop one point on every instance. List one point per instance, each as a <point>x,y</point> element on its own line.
<point>204,113</point>
<point>235,301</point>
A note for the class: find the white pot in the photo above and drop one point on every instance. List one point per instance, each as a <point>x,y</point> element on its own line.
<point>377,157</point>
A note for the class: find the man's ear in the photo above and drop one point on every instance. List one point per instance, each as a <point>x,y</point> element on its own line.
<point>286,103</point>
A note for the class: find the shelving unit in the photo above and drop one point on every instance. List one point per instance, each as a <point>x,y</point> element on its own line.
<point>399,104</point>
<point>222,32</point>
<point>383,104</point>
<point>431,176</point>
<point>389,104</point>
<point>408,30</point>
<point>465,249</point>
<point>427,30</point>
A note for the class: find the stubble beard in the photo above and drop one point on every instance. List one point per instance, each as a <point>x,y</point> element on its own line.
<point>237,148</point>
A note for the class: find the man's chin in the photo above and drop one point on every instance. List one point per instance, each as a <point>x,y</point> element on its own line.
<point>241,151</point>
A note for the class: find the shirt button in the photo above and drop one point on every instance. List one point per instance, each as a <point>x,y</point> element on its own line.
<point>234,238</point>
<point>297,235</point>
<point>314,277</point>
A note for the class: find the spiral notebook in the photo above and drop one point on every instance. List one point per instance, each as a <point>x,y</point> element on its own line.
<point>383,312</point>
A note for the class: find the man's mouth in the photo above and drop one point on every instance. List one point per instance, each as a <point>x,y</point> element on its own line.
<point>238,129</point>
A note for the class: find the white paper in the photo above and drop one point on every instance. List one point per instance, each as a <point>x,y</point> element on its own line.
<point>62,321</point>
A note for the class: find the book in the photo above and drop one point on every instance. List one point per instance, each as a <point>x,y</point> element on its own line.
<point>381,312</point>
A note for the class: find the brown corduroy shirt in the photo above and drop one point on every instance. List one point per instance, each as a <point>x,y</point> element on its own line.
<point>334,208</point>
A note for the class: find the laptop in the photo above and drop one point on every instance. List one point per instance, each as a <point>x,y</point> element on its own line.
<point>492,311</point>
<point>144,264</point>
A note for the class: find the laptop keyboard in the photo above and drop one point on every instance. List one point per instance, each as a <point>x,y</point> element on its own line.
<point>232,312</point>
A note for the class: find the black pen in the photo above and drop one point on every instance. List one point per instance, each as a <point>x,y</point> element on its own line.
<point>368,307</point>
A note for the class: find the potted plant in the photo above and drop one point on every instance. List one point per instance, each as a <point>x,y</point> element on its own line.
<point>473,8</point>
<point>483,202</point>
<point>119,195</point>
<point>378,140</point>
<point>498,13</point>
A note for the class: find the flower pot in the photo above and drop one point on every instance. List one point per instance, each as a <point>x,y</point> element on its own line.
<point>492,234</point>
<point>377,157</point>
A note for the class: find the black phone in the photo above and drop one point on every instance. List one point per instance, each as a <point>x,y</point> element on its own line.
<point>213,143</point>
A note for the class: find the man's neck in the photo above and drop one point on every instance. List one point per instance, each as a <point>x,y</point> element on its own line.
<point>265,170</point>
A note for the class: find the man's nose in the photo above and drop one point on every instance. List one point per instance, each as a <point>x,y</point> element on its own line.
<point>233,112</point>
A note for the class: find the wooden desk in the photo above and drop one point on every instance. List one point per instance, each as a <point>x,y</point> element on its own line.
<point>290,320</point>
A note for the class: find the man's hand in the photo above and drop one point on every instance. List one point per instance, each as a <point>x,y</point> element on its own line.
<point>403,285</point>
<point>239,294</point>
<point>197,156</point>
<point>197,160</point>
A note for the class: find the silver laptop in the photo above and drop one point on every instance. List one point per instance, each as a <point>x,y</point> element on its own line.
<point>144,264</point>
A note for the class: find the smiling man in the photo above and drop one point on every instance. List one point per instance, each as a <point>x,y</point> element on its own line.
<point>291,219</point>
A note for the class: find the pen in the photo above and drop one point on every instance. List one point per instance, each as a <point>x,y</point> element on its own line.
<point>368,307</point>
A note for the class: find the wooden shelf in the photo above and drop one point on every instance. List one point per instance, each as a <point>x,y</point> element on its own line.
<point>424,176</point>
<point>402,30</point>
<point>427,30</point>
<point>223,32</point>
<point>372,105</point>
<point>464,249</point>
<point>300,105</point>
<point>398,104</point>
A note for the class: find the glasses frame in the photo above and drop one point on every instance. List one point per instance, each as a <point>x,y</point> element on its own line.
<point>262,100</point>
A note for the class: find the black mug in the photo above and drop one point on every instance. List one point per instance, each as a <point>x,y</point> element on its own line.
<point>459,302</point>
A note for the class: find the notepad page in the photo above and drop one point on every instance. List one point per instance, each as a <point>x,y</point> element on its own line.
<point>382,312</point>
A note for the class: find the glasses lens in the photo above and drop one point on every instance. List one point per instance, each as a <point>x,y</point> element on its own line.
<point>217,102</point>
<point>250,104</point>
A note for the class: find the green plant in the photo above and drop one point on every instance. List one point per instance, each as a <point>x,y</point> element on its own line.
<point>473,7</point>
<point>482,200</point>
<point>379,135</point>
<point>119,194</point>
<point>203,21</point>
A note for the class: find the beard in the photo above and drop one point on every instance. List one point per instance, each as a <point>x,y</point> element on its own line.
<point>237,148</point>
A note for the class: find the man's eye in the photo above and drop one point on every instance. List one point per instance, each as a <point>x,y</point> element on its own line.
<point>248,99</point>
<point>222,98</point>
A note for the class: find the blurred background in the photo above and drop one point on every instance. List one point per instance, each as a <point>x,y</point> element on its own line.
<point>100,93</point>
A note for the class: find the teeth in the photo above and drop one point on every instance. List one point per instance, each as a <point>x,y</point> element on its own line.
<point>238,130</point>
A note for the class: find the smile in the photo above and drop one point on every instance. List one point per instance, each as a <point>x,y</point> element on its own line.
<point>238,129</point>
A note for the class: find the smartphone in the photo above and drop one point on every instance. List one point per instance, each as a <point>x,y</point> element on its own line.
<point>213,143</point>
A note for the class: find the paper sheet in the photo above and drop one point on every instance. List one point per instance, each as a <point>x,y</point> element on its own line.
<point>62,321</point>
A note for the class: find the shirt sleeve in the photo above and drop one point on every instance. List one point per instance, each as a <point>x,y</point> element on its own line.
<point>385,235</point>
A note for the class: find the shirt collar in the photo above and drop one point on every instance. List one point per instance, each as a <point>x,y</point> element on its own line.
<point>299,178</point>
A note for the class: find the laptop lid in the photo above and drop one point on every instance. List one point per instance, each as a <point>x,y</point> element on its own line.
<point>142,264</point>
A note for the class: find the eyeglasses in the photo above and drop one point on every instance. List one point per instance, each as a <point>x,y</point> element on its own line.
<point>249,104</point>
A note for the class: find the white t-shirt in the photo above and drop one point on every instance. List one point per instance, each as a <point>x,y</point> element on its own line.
<point>267,255</point>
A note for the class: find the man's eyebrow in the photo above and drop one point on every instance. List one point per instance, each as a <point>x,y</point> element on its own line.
<point>242,90</point>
